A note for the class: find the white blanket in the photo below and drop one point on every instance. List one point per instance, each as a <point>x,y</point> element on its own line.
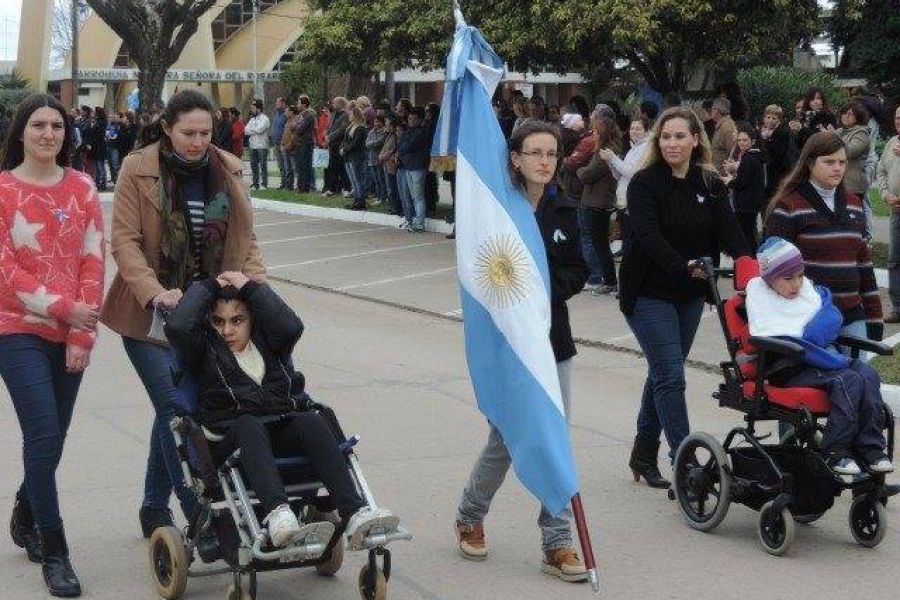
<point>770,314</point>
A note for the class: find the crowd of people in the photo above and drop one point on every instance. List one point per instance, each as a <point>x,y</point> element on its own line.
<point>686,183</point>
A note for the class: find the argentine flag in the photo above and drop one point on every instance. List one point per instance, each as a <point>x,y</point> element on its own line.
<point>504,279</point>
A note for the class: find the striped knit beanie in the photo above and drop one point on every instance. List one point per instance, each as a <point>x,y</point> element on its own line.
<point>778,258</point>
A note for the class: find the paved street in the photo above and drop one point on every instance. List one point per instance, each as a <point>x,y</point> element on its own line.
<point>386,352</point>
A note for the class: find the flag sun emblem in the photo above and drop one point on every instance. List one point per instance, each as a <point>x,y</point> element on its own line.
<point>501,271</point>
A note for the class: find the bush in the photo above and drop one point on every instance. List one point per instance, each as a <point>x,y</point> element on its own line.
<point>783,86</point>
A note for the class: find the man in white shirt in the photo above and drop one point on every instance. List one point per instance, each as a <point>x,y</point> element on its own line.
<point>258,130</point>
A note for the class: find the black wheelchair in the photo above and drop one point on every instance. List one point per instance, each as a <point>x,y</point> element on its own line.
<point>228,512</point>
<point>786,482</point>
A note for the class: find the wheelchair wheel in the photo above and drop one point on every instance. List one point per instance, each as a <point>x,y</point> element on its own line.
<point>332,566</point>
<point>168,562</point>
<point>702,481</point>
<point>375,589</point>
<point>868,521</point>
<point>775,529</point>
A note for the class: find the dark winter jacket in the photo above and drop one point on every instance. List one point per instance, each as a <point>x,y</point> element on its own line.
<point>779,154</point>
<point>671,222</point>
<point>225,390</point>
<point>812,124</point>
<point>354,144</point>
<point>557,218</point>
<point>414,148</point>
<point>96,139</point>
<point>127,136</point>
<point>599,189</point>
<point>223,135</point>
<point>749,183</point>
<point>337,129</point>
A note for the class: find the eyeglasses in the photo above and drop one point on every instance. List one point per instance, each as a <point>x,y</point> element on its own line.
<point>540,154</point>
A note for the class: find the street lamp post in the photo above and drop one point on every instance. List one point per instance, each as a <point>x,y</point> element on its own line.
<point>74,57</point>
<point>257,87</point>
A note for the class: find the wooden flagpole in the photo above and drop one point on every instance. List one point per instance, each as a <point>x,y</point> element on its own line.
<point>585,538</point>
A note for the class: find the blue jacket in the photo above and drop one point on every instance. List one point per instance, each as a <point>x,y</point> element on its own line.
<point>278,121</point>
<point>819,335</point>
<point>414,148</point>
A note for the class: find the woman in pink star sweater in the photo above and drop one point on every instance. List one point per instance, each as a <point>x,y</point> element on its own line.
<point>51,286</point>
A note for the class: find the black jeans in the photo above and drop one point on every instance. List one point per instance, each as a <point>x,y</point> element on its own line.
<point>259,166</point>
<point>600,238</point>
<point>304,434</point>
<point>303,158</point>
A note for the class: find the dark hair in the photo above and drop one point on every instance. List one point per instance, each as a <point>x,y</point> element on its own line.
<point>183,102</point>
<point>707,104</point>
<point>610,136</point>
<point>643,121</point>
<point>234,111</point>
<point>701,155</point>
<point>100,114</point>
<point>580,104</point>
<point>228,293</point>
<point>379,119</point>
<point>405,103</point>
<point>517,141</point>
<point>304,100</point>
<point>293,109</point>
<point>418,111</point>
<point>748,128</point>
<point>859,111</point>
<point>811,94</point>
<point>86,109</point>
<point>649,109</point>
<point>822,143</point>
<point>14,152</point>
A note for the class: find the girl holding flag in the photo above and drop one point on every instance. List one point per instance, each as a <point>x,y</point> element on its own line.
<point>533,159</point>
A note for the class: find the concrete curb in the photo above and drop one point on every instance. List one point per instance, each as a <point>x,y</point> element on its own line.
<point>340,214</point>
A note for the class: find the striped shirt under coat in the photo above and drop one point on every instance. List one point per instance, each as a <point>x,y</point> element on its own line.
<point>834,250</point>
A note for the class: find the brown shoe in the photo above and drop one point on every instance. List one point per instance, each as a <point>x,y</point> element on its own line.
<point>471,541</point>
<point>565,564</point>
<point>894,317</point>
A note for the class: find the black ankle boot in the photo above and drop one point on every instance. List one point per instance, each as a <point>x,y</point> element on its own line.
<point>59,576</point>
<point>152,517</point>
<point>22,531</point>
<point>643,463</point>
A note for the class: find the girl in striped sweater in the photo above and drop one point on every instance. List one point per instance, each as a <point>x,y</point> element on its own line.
<point>827,223</point>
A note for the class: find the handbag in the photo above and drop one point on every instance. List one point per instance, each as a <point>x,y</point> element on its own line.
<point>320,158</point>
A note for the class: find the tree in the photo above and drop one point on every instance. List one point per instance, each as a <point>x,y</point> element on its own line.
<point>663,40</point>
<point>156,32</point>
<point>61,32</point>
<point>868,30</point>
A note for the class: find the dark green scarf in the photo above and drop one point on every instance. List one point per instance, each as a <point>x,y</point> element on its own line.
<point>177,263</point>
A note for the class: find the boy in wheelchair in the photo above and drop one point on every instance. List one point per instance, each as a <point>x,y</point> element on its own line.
<point>782,302</point>
<point>235,336</point>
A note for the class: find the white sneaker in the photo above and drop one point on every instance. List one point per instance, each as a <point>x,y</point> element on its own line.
<point>366,521</point>
<point>283,526</point>
<point>882,465</point>
<point>345,194</point>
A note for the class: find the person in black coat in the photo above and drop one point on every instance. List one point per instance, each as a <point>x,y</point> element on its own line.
<point>222,137</point>
<point>746,177</point>
<point>235,336</point>
<point>96,139</point>
<point>779,152</point>
<point>817,116</point>
<point>534,156</point>
<point>678,212</point>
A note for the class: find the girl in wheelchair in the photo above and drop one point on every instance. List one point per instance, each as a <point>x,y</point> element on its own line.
<point>235,336</point>
<point>782,302</point>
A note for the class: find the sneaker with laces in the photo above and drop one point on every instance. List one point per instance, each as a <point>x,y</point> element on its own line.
<point>565,564</point>
<point>283,526</point>
<point>844,465</point>
<point>881,464</point>
<point>471,542</point>
<point>367,520</point>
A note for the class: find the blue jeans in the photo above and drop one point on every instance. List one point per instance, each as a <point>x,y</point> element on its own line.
<point>490,470</point>
<point>303,169</point>
<point>43,394</point>
<point>355,168</point>
<point>411,185</point>
<point>100,172</point>
<point>154,366</point>
<point>376,173</point>
<point>259,165</point>
<point>894,262</point>
<point>286,168</point>
<point>393,192</point>
<point>587,247</point>
<point>665,331</point>
<point>114,164</point>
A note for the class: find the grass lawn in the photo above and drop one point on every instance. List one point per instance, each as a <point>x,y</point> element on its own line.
<point>889,368</point>
<point>316,199</point>
<point>880,254</point>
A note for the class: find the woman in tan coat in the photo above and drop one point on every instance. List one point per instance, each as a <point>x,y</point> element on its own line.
<point>181,213</point>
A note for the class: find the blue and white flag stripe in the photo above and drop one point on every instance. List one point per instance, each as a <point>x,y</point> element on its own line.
<point>504,283</point>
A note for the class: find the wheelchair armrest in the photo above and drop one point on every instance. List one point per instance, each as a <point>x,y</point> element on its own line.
<point>777,346</point>
<point>858,343</point>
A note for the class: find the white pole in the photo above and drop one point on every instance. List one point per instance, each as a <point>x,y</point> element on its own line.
<point>256,82</point>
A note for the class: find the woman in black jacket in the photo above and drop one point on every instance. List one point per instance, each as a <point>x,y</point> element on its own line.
<point>817,116</point>
<point>747,179</point>
<point>235,337</point>
<point>678,213</point>
<point>353,151</point>
<point>96,139</point>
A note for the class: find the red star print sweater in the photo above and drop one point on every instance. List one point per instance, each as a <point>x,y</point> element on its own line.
<point>51,256</point>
